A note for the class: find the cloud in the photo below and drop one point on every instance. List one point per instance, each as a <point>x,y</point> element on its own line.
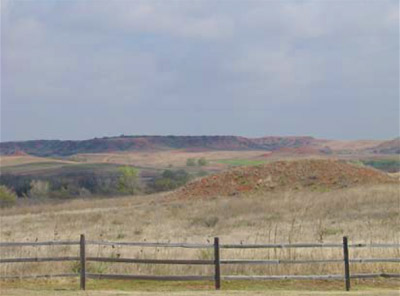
<point>220,56</point>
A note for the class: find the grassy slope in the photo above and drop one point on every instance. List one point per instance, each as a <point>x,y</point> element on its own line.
<point>26,159</point>
<point>376,204</point>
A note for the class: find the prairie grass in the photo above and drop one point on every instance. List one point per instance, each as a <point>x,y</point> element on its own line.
<point>364,214</point>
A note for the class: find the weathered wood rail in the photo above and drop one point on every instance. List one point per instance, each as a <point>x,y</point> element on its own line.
<point>216,262</point>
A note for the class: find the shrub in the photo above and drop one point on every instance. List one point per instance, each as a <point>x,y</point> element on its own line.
<point>39,189</point>
<point>208,221</point>
<point>170,180</point>
<point>7,197</point>
<point>190,162</point>
<point>202,161</point>
<point>19,184</point>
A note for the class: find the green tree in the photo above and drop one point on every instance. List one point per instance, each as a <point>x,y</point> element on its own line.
<point>7,197</point>
<point>129,182</point>
<point>190,162</point>
<point>202,161</point>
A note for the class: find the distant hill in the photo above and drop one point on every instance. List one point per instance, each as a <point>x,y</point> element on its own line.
<point>387,147</point>
<point>152,143</point>
<point>58,148</point>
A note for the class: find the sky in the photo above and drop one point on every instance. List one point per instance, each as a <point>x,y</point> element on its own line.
<point>92,68</point>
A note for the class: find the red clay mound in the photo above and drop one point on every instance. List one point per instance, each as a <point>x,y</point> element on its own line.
<point>306,174</point>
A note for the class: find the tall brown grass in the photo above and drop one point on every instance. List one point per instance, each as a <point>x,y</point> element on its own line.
<point>364,214</point>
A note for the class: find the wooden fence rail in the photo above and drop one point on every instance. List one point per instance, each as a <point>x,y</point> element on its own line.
<point>199,262</point>
<point>197,246</point>
<point>216,262</point>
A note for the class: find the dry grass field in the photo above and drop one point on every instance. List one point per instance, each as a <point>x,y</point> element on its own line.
<point>365,214</point>
<point>352,145</point>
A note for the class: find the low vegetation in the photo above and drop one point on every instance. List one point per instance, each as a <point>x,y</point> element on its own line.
<point>7,197</point>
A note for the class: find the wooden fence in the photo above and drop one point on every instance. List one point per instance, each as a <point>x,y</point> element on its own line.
<point>217,261</point>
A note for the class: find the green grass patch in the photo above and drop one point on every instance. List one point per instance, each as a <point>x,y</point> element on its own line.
<point>57,168</point>
<point>387,165</point>
<point>241,162</point>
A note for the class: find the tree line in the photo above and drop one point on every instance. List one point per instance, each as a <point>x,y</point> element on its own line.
<point>125,180</point>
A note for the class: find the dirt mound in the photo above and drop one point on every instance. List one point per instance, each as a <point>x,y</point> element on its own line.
<point>300,174</point>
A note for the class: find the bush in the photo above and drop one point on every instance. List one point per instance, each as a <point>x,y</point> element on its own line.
<point>190,162</point>
<point>170,180</point>
<point>39,189</point>
<point>201,173</point>
<point>7,197</point>
<point>19,184</point>
<point>202,161</point>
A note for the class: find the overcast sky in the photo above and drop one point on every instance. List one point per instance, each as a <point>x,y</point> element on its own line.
<point>84,69</point>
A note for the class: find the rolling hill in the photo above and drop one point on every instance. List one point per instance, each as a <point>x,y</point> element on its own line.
<point>387,147</point>
<point>151,143</point>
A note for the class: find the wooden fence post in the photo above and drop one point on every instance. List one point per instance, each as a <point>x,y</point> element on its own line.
<point>346,263</point>
<point>83,262</point>
<point>217,264</point>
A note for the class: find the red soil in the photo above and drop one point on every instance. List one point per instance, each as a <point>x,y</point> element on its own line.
<point>299,174</point>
